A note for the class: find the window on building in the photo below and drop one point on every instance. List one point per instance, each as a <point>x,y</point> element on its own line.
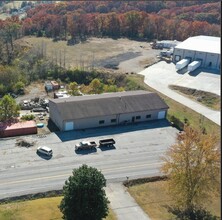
<point>113,120</point>
<point>101,122</point>
<point>148,116</point>
<point>138,117</point>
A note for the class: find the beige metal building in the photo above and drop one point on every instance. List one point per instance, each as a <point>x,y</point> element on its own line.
<point>80,112</point>
<point>199,48</point>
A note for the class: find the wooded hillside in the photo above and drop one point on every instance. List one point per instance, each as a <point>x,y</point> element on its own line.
<point>138,20</point>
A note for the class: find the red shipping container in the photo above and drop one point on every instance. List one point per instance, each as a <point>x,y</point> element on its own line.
<point>17,129</point>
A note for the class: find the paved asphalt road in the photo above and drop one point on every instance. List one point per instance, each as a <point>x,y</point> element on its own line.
<point>136,154</point>
<point>160,75</point>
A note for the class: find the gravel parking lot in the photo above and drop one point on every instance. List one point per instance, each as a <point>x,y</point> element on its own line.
<point>136,154</point>
<point>131,140</point>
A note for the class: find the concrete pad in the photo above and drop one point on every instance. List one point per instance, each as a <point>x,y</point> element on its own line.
<point>166,74</point>
<point>159,76</point>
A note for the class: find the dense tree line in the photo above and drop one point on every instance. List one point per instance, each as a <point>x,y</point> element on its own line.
<point>124,6</point>
<point>133,24</point>
<point>132,21</point>
<point>210,13</point>
<point>79,20</point>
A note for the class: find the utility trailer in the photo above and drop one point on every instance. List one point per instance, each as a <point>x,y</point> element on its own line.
<point>194,65</point>
<point>106,142</point>
<point>84,145</point>
<point>182,63</point>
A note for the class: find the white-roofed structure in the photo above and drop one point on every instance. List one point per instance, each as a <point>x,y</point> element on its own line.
<point>199,48</point>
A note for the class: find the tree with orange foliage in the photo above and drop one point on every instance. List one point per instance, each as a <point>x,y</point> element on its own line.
<point>193,166</point>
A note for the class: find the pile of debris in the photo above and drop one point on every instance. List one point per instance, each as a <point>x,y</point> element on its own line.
<point>24,143</point>
<point>36,103</point>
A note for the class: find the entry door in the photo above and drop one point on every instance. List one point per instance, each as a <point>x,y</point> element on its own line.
<point>69,126</point>
<point>133,119</point>
<point>161,115</point>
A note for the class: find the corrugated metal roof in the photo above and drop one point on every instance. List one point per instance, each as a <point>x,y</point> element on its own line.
<point>108,104</point>
<point>202,44</point>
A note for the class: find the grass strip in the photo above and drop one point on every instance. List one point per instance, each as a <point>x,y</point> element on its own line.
<point>207,99</point>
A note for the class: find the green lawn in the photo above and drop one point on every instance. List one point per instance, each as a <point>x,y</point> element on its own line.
<point>44,209</point>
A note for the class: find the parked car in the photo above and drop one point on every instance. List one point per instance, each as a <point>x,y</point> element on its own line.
<point>83,145</point>
<point>44,150</point>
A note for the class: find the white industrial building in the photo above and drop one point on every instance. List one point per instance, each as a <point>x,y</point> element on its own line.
<point>205,49</point>
<point>89,111</point>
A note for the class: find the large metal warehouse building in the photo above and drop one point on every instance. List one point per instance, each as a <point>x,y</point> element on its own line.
<point>199,48</point>
<point>80,112</point>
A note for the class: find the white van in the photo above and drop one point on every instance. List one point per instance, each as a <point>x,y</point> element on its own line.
<point>44,150</point>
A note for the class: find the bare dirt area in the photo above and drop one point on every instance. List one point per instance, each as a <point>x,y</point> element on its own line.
<point>36,89</point>
<point>122,55</point>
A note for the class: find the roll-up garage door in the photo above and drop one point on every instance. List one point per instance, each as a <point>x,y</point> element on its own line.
<point>161,115</point>
<point>69,126</point>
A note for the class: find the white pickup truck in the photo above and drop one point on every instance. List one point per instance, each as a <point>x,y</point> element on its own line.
<point>83,145</point>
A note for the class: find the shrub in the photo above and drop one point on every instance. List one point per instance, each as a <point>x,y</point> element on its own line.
<point>27,117</point>
<point>195,213</point>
